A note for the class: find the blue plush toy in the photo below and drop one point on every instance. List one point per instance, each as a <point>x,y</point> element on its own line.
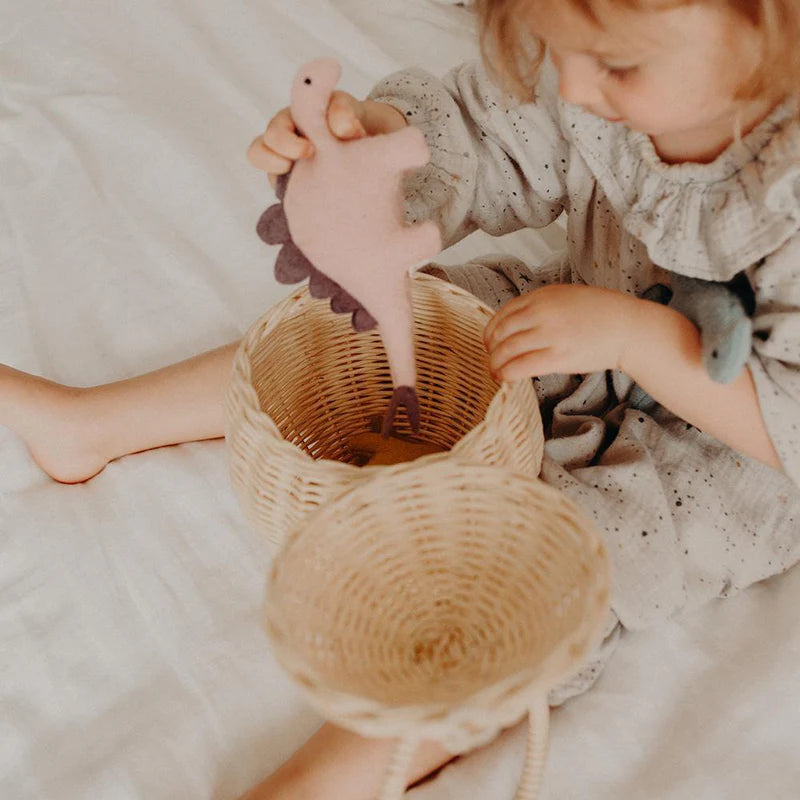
<point>721,311</point>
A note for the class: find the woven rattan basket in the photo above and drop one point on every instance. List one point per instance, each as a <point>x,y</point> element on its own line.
<point>305,384</point>
<point>439,602</point>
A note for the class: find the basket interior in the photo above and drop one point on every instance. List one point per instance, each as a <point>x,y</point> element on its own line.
<point>440,584</point>
<point>322,383</point>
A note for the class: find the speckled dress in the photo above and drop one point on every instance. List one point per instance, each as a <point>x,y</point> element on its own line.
<point>686,518</point>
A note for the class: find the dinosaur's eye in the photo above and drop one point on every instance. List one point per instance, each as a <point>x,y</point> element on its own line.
<point>307,80</point>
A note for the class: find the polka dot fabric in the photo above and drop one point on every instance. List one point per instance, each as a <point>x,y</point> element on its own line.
<point>631,218</point>
<point>686,519</point>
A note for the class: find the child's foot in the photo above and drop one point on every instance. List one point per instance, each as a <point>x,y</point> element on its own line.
<point>56,423</point>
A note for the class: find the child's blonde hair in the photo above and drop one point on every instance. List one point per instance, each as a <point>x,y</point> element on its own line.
<point>514,55</point>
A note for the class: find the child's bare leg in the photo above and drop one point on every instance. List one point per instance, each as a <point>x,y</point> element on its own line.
<point>73,433</point>
<point>335,764</point>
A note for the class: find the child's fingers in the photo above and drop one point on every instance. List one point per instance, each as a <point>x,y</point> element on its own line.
<point>261,157</point>
<point>530,365</point>
<point>506,327</point>
<point>511,348</point>
<point>344,113</point>
<point>279,146</point>
<point>515,316</point>
<point>282,137</point>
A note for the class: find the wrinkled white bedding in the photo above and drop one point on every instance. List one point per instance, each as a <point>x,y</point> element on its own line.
<point>132,664</point>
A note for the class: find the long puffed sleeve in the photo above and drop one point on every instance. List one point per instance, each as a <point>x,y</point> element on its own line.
<point>775,362</point>
<point>495,165</point>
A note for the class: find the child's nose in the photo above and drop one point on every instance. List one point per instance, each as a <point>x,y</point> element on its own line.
<point>578,78</point>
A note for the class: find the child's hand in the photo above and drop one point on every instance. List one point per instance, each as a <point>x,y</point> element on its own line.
<point>565,329</point>
<point>348,118</point>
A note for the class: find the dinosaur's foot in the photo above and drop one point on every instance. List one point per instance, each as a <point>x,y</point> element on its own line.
<point>405,396</point>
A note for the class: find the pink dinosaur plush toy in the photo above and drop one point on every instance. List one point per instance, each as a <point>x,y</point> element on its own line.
<point>341,225</point>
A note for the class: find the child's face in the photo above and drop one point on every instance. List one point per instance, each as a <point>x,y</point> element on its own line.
<point>672,73</point>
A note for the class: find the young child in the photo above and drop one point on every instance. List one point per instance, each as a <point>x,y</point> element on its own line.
<point>667,131</point>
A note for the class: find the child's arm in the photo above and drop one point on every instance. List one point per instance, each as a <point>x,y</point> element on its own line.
<point>582,329</point>
<point>759,413</point>
<point>495,164</point>
<point>666,360</point>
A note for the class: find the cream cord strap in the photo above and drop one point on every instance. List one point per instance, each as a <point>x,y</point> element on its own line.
<point>396,779</point>
<point>397,773</point>
<point>536,752</point>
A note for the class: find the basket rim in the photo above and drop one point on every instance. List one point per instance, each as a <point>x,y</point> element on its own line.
<point>494,706</point>
<point>428,464</point>
<point>262,425</point>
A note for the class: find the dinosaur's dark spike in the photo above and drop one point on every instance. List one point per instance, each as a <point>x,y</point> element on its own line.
<point>343,303</point>
<point>363,321</point>
<point>320,285</point>
<point>280,185</point>
<point>272,226</point>
<point>291,266</point>
<point>404,396</point>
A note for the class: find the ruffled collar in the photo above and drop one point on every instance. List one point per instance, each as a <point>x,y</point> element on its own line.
<point>707,221</point>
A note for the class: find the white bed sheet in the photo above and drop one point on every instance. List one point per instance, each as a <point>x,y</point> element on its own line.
<point>132,663</point>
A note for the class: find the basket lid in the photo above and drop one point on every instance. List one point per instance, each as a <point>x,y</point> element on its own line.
<point>434,593</point>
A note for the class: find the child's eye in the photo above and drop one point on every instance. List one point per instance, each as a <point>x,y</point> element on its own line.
<point>618,72</point>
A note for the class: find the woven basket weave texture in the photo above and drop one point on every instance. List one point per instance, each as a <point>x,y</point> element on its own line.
<point>454,594</point>
<point>304,384</point>
<point>437,599</point>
